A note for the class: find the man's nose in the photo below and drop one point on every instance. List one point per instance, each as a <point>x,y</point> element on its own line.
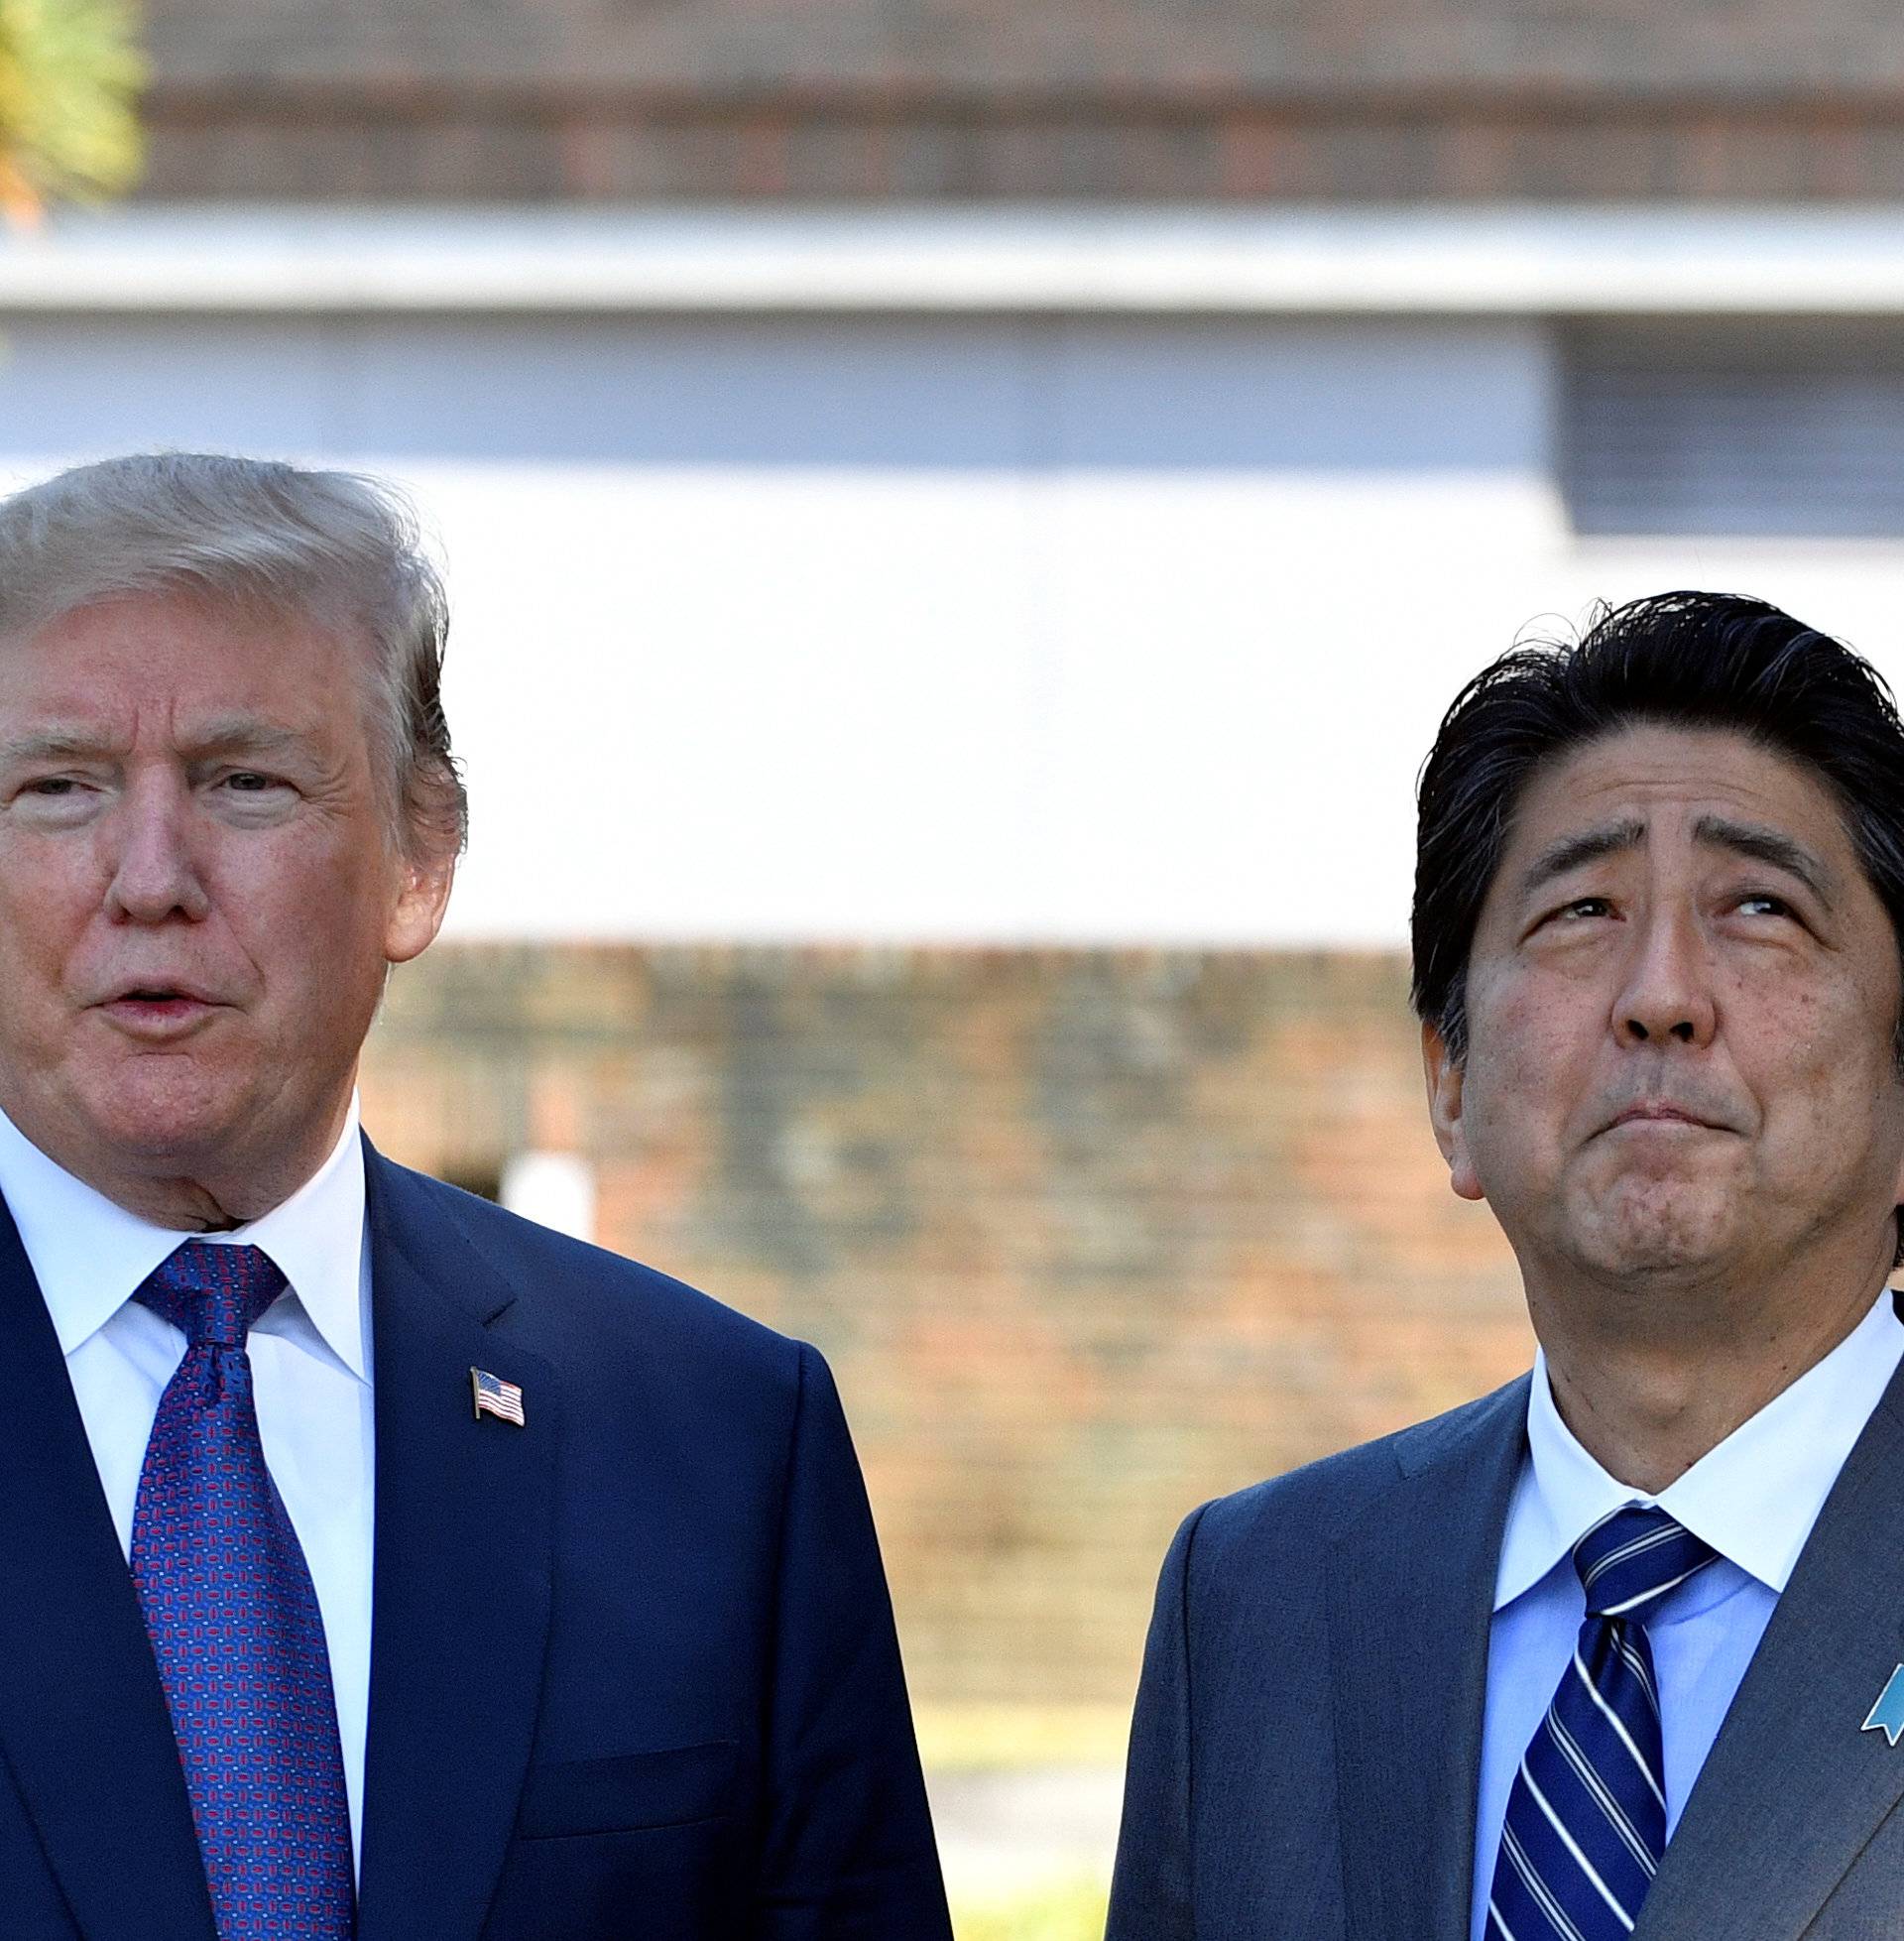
<point>155,874</point>
<point>1667,994</point>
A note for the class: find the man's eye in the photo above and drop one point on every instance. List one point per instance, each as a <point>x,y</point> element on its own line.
<point>51,785</point>
<point>1585,906</point>
<point>248,782</point>
<point>1763,903</point>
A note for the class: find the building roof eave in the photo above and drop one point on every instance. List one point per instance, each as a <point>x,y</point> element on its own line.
<point>1500,260</point>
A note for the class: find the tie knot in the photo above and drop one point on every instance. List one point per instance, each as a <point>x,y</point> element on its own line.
<point>1629,1560</point>
<point>212,1293</point>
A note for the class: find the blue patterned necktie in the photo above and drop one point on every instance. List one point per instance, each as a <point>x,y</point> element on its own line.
<point>234,1620</point>
<point>1586,1819</point>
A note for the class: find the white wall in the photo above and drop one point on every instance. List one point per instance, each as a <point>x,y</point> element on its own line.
<point>1047,628</point>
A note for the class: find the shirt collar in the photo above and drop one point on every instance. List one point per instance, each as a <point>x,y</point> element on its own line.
<point>1754,1498</point>
<point>88,1253</point>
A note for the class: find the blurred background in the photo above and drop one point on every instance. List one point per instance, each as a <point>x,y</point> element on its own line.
<point>962,521</point>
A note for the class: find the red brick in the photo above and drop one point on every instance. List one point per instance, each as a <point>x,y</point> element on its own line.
<point>1088,1237</point>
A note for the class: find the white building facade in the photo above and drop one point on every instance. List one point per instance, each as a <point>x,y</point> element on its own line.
<point>1028,576</point>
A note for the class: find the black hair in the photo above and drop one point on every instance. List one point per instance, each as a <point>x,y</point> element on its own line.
<point>1684,660</point>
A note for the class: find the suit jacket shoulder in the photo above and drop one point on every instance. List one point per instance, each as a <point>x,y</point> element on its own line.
<point>581,1297</point>
<point>1302,1754</point>
<point>1322,1505</point>
<point>683,1634</point>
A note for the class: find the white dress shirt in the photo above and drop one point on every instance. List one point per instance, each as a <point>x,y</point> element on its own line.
<point>1753,1498</point>
<point>311,1371</point>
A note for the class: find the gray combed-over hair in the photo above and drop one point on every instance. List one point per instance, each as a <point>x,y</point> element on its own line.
<point>335,549</point>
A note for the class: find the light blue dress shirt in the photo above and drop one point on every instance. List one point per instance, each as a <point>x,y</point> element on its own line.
<point>311,1371</point>
<point>1753,1498</point>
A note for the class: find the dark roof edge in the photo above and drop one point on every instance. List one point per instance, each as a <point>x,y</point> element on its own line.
<point>262,97</point>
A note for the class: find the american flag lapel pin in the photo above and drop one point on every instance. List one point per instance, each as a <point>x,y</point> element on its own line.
<point>494,1397</point>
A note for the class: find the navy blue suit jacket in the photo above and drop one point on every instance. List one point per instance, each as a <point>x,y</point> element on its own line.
<point>632,1668</point>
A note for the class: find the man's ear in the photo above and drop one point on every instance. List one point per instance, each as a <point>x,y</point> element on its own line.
<point>1445,1074</point>
<point>417,914</point>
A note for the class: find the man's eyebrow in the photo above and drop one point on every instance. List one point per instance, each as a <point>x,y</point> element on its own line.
<point>1763,845</point>
<point>54,745</point>
<point>247,734</point>
<point>223,735</point>
<point>1589,846</point>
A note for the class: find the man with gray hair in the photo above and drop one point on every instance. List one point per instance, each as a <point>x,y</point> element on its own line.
<point>374,1562</point>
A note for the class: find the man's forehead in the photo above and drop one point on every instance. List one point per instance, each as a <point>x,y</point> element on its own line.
<point>187,623</point>
<point>150,663</point>
<point>1715,787</point>
<point>1646,779</point>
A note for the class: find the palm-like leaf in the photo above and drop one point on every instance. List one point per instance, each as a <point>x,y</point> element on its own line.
<point>70,73</point>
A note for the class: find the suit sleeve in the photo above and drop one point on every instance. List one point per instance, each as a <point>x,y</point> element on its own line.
<point>1151,1891</point>
<point>848,1853</point>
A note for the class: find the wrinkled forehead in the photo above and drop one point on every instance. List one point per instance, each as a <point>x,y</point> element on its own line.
<point>175,672</point>
<point>284,632</point>
<point>1646,782</point>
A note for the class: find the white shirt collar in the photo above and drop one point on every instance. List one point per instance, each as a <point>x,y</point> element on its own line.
<point>90,1253</point>
<point>1754,1498</point>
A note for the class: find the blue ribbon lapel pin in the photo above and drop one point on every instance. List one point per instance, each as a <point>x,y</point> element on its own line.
<point>1887,1715</point>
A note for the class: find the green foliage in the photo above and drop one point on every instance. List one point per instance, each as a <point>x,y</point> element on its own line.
<point>69,72</point>
<point>1051,1913</point>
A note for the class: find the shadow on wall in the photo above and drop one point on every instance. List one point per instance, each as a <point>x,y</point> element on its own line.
<point>982,394</point>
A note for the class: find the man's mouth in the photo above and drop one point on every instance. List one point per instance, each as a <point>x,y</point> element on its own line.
<point>158,1007</point>
<point>1662,1113</point>
<point>161,990</point>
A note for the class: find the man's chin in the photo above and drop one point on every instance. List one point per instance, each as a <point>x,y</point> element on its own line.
<point>155,1115</point>
<point>1662,1233</point>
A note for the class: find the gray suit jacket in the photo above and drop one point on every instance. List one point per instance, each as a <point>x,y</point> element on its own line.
<point>1307,1741</point>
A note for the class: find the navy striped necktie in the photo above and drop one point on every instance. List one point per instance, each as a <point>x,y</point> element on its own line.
<point>1585,1818</point>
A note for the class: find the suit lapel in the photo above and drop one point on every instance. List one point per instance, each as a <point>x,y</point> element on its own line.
<point>1790,1770</point>
<point>1411,1594</point>
<point>461,1573</point>
<point>84,1724</point>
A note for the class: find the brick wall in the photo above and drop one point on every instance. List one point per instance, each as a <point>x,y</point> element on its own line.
<point>1331,99</point>
<point>344,143</point>
<point>1088,1237</point>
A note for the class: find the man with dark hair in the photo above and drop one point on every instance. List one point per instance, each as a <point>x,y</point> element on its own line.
<point>1614,1650</point>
